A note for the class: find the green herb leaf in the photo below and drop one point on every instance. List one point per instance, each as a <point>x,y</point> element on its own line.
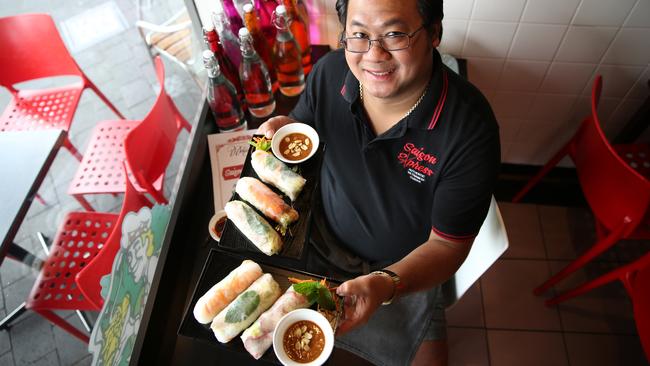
<point>261,143</point>
<point>308,290</point>
<point>325,299</point>
<point>243,307</point>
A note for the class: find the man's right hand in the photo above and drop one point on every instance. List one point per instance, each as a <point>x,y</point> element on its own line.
<point>271,125</point>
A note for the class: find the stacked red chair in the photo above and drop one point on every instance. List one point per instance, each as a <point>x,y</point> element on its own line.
<point>147,152</point>
<point>32,49</point>
<point>618,194</point>
<point>81,254</point>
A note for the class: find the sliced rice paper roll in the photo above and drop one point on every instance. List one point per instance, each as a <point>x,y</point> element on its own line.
<point>254,227</point>
<point>273,171</point>
<point>259,337</point>
<point>226,290</point>
<point>243,311</point>
<point>264,199</point>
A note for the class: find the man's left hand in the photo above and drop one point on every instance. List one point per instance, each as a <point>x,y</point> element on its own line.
<point>363,295</point>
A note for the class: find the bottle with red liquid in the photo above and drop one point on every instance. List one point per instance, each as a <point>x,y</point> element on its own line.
<point>300,32</point>
<point>255,78</point>
<point>222,97</point>
<point>229,41</point>
<point>287,56</point>
<point>228,69</point>
<point>264,10</point>
<point>232,14</point>
<point>261,45</point>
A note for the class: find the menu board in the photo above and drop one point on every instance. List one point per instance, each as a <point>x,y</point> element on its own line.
<point>227,154</point>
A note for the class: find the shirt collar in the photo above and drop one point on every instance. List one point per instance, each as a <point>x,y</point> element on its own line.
<point>426,114</point>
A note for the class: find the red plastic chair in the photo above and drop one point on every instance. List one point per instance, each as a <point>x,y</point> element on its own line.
<point>88,279</point>
<point>81,253</point>
<point>617,194</point>
<point>32,49</point>
<point>636,279</point>
<point>101,169</point>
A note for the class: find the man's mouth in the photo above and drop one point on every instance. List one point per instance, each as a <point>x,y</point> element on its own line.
<point>380,73</point>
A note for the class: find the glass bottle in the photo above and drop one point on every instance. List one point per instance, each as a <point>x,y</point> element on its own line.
<point>264,10</point>
<point>261,45</point>
<point>229,41</point>
<point>287,56</point>
<point>233,16</point>
<point>255,78</point>
<point>222,97</point>
<point>300,32</point>
<point>228,69</point>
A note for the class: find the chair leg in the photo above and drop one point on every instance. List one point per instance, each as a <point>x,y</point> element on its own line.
<point>104,99</point>
<point>542,172</point>
<point>72,149</point>
<point>84,320</point>
<point>57,320</point>
<point>41,200</point>
<point>83,202</point>
<point>585,258</point>
<point>4,323</point>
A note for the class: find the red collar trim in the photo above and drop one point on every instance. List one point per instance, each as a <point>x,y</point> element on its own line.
<point>441,101</point>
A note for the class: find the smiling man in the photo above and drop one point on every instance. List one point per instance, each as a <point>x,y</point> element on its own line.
<point>412,153</point>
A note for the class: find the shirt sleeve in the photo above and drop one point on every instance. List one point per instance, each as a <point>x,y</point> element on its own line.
<point>463,195</point>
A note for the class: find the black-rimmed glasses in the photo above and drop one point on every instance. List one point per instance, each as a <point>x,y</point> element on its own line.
<point>393,42</point>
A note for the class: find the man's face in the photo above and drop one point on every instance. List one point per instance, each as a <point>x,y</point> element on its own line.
<point>392,75</point>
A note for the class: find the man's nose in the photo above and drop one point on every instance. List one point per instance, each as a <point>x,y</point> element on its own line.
<point>376,50</point>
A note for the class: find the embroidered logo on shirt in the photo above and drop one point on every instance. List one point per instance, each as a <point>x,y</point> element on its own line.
<point>417,162</point>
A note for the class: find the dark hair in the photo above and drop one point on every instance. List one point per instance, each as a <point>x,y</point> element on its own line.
<point>430,11</point>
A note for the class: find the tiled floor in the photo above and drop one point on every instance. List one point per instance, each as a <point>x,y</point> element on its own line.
<point>498,322</point>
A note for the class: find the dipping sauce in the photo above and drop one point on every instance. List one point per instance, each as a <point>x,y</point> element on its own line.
<point>218,227</point>
<point>303,341</point>
<point>295,146</point>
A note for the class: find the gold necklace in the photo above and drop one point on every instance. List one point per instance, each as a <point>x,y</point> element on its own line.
<point>410,110</point>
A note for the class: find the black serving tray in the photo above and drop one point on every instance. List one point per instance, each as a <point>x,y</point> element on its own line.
<point>218,265</point>
<point>298,234</point>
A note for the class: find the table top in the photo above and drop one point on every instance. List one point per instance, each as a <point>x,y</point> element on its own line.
<point>25,157</point>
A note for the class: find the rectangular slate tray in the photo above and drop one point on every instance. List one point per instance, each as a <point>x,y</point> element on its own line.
<point>296,237</point>
<point>218,265</point>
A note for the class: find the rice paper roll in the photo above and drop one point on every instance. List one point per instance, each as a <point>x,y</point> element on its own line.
<point>264,199</point>
<point>254,227</point>
<point>273,171</point>
<point>225,291</point>
<point>243,311</point>
<point>259,337</point>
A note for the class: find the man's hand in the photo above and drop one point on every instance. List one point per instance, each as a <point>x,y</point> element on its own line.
<point>271,125</point>
<point>363,295</point>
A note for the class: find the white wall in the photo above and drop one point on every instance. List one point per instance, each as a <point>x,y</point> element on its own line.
<point>535,61</point>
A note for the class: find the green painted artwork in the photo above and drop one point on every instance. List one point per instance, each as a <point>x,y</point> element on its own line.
<point>125,290</point>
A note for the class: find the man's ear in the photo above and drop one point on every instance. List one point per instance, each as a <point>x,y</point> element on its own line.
<point>437,34</point>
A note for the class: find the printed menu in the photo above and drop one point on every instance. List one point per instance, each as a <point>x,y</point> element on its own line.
<point>227,154</point>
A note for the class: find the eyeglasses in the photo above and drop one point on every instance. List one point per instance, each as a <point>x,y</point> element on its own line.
<point>393,42</point>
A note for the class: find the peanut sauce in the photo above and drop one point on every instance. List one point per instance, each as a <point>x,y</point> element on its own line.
<point>295,146</point>
<point>303,341</point>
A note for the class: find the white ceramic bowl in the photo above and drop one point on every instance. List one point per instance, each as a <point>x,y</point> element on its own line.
<point>213,223</point>
<point>295,316</point>
<point>307,130</point>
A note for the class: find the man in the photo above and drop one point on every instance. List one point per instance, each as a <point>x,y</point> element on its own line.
<point>410,165</point>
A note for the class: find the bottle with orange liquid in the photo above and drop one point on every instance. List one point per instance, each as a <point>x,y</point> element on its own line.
<point>261,45</point>
<point>287,56</point>
<point>300,32</point>
<point>255,78</point>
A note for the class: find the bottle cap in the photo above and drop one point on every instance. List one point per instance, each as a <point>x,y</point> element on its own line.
<point>281,10</point>
<point>243,32</point>
<point>248,8</point>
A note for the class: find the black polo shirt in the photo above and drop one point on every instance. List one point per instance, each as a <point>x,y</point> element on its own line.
<point>433,170</point>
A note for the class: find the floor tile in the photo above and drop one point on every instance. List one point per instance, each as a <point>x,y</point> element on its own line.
<point>514,348</point>
<point>31,339</point>
<point>468,311</point>
<point>5,342</point>
<point>467,346</point>
<point>70,350</point>
<point>7,359</point>
<point>508,298</point>
<point>603,350</point>
<point>50,359</point>
<point>524,231</point>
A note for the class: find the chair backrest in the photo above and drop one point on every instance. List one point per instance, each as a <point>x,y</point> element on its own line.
<point>616,193</point>
<point>489,244</point>
<point>88,279</point>
<point>32,48</point>
<point>150,145</point>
